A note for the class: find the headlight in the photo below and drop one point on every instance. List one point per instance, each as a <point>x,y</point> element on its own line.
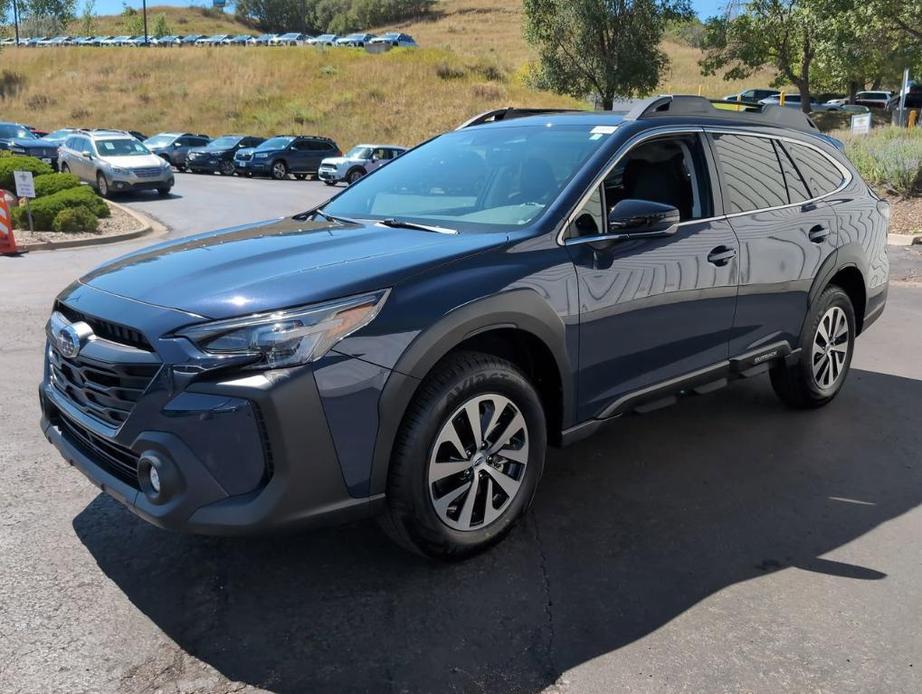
<point>290,337</point>
<point>117,170</point>
<point>261,155</point>
<point>17,150</point>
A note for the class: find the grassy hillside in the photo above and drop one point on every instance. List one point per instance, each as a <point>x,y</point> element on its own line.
<point>181,20</point>
<point>471,60</point>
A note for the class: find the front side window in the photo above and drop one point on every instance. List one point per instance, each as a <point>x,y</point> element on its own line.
<point>476,178</point>
<point>821,175</point>
<point>275,143</point>
<point>752,177</point>
<point>359,153</point>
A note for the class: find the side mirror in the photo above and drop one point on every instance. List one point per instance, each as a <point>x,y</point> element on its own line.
<point>643,219</point>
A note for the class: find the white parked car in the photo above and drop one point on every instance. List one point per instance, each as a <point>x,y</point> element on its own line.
<point>394,38</point>
<point>289,39</point>
<point>322,40</point>
<point>358,161</point>
<point>354,40</point>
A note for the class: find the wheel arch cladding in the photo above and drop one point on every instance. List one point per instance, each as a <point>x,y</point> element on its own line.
<point>846,268</point>
<point>851,281</point>
<point>518,324</point>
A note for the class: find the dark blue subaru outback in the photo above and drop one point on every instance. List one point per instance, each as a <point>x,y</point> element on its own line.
<point>411,347</point>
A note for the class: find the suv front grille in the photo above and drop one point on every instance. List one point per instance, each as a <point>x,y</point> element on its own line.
<point>147,171</point>
<point>106,391</point>
<point>113,332</point>
<point>117,460</point>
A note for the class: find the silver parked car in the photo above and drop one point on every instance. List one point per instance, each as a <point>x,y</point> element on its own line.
<point>114,162</point>
<point>358,161</point>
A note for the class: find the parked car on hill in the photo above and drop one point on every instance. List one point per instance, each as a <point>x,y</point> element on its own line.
<point>213,40</point>
<point>261,40</point>
<point>358,161</point>
<point>357,40</point>
<point>411,347</point>
<point>218,155</point>
<point>191,39</point>
<point>238,40</point>
<point>793,101</point>
<point>752,95</point>
<point>322,40</point>
<point>18,139</point>
<point>114,162</point>
<point>174,147</point>
<point>289,154</point>
<point>170,41</point>
<point>289,39</point>
<point>395,39</point>
<point>871,99</point>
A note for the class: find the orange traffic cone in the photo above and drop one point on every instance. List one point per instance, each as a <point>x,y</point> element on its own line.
<point>7,240</point>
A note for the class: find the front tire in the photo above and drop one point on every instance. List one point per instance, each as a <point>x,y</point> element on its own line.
<point>102,185</point>
<point>279,171</point>
<point>354,175</point>
<point>827,344</point>
<point>467,459</point>
<point>227,168</point>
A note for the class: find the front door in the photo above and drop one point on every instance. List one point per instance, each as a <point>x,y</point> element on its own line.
<point>659,309</point>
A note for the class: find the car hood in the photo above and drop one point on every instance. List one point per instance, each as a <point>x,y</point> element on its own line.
<point>279,264</point>
<point>133,162</point>
<point>337,161</point>
<point>208,152</point>
<point>33,144</point>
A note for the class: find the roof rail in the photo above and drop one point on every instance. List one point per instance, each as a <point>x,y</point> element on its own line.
<point>689,105</point>
<point>508,113</point>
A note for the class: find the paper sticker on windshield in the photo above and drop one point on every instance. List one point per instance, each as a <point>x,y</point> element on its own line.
<point>108,145</point>
<point>603,129</point>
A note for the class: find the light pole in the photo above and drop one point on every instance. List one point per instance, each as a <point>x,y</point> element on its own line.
<point>144,9</point>
<point>16,19</point>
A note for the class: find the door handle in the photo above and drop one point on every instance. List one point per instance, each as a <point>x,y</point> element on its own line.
<point>721,255</point>
<point>818,233</point>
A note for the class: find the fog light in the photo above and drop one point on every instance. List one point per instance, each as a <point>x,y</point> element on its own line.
<point>154,478</point>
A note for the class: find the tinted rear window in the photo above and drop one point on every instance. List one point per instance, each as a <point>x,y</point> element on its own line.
<point>821,175</point>
<point>752,177</point>
<point>797,187</point>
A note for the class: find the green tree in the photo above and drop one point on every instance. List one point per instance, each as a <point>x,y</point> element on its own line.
<point>132,21</point>
<point>606,48</point>
<point>161,27</point>
<point>784,35</point>
<point>88,18</point>
<point>61,12</point>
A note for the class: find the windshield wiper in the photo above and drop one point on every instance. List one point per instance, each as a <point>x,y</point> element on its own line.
<point>333,218</point>
<point>403,224</point>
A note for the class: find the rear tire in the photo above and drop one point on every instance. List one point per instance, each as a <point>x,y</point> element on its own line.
<point>430,510</point>
<point>279,171</point>
<point>227,168</point>
<point>163,192</point>
<point>827,344</point>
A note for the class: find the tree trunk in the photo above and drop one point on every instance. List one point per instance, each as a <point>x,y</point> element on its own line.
<point>852,91</point>
<point>608,101</point>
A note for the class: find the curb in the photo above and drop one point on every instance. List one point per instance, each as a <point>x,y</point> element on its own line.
<point>904,239</point>
<point>148,226</point>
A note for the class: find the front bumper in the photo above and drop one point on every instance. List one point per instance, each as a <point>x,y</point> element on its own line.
<point>242,453</point>
<point>331,175</point>
<point>122,184</point>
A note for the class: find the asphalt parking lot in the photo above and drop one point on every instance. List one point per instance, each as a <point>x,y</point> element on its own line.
<point>725,544</point>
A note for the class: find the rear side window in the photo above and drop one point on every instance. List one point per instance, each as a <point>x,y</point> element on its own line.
<point>821,175</point>
<point>797,187</point>
<point>752,177</point>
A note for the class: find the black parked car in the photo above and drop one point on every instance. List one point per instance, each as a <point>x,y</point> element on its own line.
<point>19,139</point>
<point>218,155</point>
<point>412,346</point>
<point>174,147</point>
<point>289,154</point>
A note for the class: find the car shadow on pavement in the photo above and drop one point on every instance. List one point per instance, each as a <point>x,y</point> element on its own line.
<point>629,529</point>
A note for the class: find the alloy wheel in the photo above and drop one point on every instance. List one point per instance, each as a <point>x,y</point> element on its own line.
<point>830,348</point>
<point>478,462</point>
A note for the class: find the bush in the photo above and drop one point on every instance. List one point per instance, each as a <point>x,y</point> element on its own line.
<point>45,210</point>
<point>889,158</point>
<point>16,163</point>
<point>75,219</point>
<point>49,184</point>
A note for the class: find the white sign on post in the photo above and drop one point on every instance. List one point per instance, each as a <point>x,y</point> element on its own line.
<point>861,123</point>
<point>25,185</point>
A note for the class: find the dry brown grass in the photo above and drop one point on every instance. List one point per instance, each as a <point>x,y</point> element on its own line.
<point>181,20</point>
<point>347,94</point>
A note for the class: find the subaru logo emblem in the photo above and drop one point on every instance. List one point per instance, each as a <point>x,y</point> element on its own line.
<point>68,342</point>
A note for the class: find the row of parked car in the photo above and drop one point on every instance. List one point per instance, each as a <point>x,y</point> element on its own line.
<point>117,161</point>
<point>880,99</point>
<point>356,40</point>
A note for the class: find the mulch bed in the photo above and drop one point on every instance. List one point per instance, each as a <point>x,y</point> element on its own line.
<point>119,222</point>
<point>905,215</point>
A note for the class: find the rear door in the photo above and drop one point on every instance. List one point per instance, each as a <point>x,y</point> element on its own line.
<point>785,230</point>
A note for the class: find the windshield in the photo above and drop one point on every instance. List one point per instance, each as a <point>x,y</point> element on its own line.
<point>159,140</point>
<point>16,131</point>
<point>276,143</point>
<point>359,153</point>
<point>225,142</point>
<point>121,148</point>
<point>495,177</point>
<point>59,135</point>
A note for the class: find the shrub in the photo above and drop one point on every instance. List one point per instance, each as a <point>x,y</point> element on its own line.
<point>49,184</point>
<point>16,163</point>
<point>446,71</point>
<point>889,158</point>
<point>75,219</point>
<point>45,210</point>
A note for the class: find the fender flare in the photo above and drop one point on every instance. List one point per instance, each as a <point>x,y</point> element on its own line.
<point>849,255</point>
<point>521,309</point>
